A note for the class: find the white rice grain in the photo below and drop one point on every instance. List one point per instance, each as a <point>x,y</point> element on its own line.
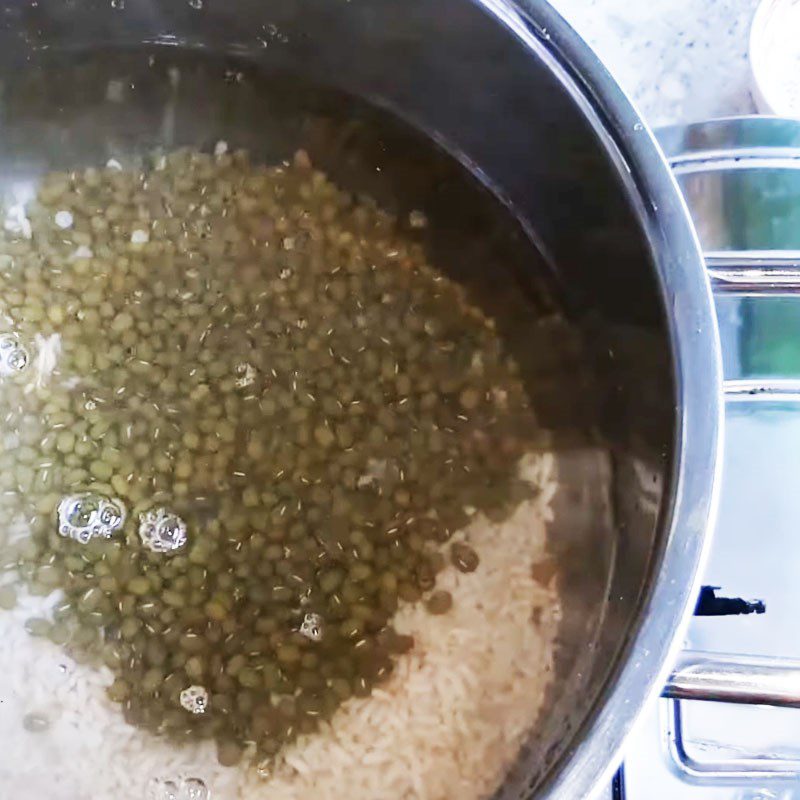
<point>446,725</point>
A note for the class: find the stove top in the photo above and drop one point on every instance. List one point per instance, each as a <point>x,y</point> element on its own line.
<point>741,180</point>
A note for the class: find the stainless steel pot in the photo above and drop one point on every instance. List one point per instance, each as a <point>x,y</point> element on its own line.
<point>570,227</point>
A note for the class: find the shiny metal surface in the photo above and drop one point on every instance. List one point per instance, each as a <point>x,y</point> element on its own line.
<point>765,389</point>
<point>589,766</point>
<point>762,330</point>
<point>626,375</point>
<point>734,679</point>
<point>709,750</point>
<point>595,755</point>
<point>705,770</point>
<point>757,531</point>
<point>754,272</point>
<point>732,136</point>
<point>741,190</point>
<point>717,751</point>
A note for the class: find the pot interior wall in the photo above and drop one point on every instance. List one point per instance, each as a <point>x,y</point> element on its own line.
<point>525,208</point>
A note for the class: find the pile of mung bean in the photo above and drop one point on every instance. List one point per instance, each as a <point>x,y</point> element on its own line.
<point>272,367</point>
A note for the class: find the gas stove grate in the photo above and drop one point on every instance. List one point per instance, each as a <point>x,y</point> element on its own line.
<point>741,181</point>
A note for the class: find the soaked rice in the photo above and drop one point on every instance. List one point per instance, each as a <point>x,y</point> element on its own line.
<point>446,725</point>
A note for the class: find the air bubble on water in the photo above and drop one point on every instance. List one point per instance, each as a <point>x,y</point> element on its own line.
<point>246,375</point>
<point>313,627</point>
<point>89,515</point>
<point>154,789</point>
<point>232,76</point>
<point>64,219</point>
<point>196,4</point>
<point>111,516</point>
<point>637,126</point>
<point>118,4</point>
<point>13,356</point>
<point>161,530</point>
<point>17,359</point>
<point>79,511</point>
<point>169,791</point>
<point>273,34</point>
<point>177,789</point>
<point>195,789</point>
<point>195,699</point>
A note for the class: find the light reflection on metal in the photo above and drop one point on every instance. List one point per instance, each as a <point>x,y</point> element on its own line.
<point>784,390</point>
<point>754,272</point>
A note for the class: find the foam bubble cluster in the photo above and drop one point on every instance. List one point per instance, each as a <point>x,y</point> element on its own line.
<point>195,699</point>
<point>13,356</point>
<point>89,515</point>
<point>161,530</point>
<point>312,627</point>
<point>180,789</point>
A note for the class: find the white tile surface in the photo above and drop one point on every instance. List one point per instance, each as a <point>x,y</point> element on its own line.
<point>679,60</point>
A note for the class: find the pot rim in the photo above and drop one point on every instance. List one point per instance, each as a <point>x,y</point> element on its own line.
<point>643,663</point>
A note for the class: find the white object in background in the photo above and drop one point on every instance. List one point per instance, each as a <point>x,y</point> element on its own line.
<point>775,57</point>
